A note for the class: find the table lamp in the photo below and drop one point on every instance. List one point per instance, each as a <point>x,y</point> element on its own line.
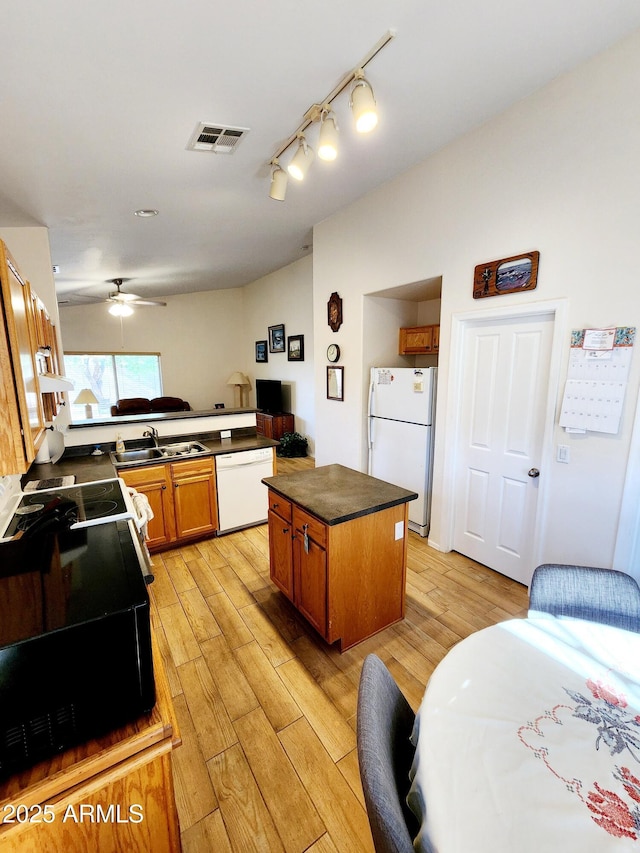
<point>239,380</point>
<point>87,397</point>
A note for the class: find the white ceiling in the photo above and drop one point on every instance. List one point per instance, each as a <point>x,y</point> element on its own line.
<point>99,99</point>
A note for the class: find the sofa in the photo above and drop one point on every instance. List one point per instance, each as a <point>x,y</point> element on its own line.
<point>143,406</point>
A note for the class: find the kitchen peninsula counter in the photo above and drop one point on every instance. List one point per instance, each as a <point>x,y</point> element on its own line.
<point>338,549</point>
<point>79,461</point>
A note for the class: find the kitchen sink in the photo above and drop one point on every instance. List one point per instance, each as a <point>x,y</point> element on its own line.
<point>141,455</point>
<point>186,448</point>
<point>154,454</point>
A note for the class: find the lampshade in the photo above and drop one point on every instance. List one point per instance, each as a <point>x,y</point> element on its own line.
<point>119,309</point>
<point>363,105</point>
<point>237,378</point>
<point>278,183</point>
<point>328,144</point>
<point>88,398</point>
<point>302,159</point>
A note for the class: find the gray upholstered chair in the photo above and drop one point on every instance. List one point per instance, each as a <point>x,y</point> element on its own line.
<point>385,753</point>
<point>585,592</point>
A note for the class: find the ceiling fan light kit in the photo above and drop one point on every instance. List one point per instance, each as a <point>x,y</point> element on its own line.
<point>121,303</point>
<point>365,115</point>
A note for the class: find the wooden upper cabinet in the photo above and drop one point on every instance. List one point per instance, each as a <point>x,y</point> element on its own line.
<point>419,339</point>
<point>21,412</point>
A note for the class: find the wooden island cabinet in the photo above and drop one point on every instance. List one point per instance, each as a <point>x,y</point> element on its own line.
<point>338,549</point>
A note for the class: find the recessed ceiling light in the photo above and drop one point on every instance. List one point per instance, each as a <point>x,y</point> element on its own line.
<point>145,214</point>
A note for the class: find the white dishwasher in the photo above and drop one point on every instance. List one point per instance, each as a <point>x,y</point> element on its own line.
<point>242,499</point>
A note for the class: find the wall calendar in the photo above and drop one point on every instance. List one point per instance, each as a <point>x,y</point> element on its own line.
<point>597,379</point>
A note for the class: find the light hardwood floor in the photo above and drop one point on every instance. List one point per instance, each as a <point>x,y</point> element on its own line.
<point>267,711</point>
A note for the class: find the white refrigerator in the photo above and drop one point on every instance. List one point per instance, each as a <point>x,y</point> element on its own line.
<point>401,421</point>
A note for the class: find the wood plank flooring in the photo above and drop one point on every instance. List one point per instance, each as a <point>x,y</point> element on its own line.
<point>267,711</point>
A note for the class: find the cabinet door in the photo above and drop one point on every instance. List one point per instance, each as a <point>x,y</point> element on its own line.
<point>435,344</point>
<point>280,553</point>
<point>154,481</point>
<point>194,497</point>
<point>418,339</point>
<point>20,327</point>
<point>310,581</point>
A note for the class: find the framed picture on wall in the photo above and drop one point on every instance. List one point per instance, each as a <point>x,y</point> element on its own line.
<point>276,338</point>
<point>295,348</point>
<point>508,275</point>
<point>261,351</point>
<point>335,383</point>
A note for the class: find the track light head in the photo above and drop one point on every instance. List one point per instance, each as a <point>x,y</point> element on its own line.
<point>302,159</point>
<point>328,143</point>
<point>278,182</point>
<point>363,103</point>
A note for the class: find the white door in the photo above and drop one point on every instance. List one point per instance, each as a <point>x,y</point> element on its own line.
<point>505,380</point>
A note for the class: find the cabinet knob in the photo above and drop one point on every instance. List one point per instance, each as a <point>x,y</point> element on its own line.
<point>285,529</point>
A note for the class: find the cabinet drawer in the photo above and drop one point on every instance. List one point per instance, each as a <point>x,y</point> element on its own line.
<point>192,467</point>
<point>144,476</point>
<point>315,528</point>
<point>280,505</point>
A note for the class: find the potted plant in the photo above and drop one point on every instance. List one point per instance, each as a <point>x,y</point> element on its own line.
<point>292,444</point>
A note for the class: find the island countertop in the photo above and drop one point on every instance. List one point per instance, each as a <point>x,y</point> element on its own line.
<point>335,493</point>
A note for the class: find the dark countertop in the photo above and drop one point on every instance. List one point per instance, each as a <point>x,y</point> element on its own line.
<point>335,494</point>
<point>88,467</point>
<point>157,416</point>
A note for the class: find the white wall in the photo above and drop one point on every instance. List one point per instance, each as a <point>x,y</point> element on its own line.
<point>201,338</point>
<point>557,173</point>
<point>284,297</point>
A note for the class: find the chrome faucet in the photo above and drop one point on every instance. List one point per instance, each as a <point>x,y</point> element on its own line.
<point>152,433</point>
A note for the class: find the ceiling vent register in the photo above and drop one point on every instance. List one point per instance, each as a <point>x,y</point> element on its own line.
<point>216,138</point>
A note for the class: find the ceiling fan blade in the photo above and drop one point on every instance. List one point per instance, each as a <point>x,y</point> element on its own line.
<point>149,303</point>
<point>119,296</point>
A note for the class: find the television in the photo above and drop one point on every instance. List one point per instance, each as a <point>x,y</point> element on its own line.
<point>269,396</point>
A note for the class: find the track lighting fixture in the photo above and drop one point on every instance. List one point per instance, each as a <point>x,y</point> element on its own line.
<point>363,106</point>
<point>328,143</point>
<point>302,159</point>
<point>278,182</point>
<point>363,103</point>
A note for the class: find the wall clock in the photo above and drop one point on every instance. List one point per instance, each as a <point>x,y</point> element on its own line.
<point>333,352</point>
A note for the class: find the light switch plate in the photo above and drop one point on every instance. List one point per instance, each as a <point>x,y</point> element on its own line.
<point>225,433</point>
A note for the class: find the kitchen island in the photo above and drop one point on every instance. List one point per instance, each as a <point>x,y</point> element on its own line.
<point>338,549</point>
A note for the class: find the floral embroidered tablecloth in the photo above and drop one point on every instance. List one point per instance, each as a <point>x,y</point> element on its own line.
<point>528,739</point>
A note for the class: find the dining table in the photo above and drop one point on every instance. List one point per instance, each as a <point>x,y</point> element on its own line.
<point>528,739</point>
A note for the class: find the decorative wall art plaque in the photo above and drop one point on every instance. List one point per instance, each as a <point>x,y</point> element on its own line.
<point>509,275</point>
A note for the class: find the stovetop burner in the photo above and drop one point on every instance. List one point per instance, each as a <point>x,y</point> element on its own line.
<point>93,503</point>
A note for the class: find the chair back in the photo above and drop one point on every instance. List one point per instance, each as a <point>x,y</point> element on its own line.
<point>385,753</point>
<point>586,592</point>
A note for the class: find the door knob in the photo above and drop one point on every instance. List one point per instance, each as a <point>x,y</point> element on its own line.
<point>533,473</point>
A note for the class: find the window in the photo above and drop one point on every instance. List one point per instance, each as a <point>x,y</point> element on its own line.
<point>112,376</point>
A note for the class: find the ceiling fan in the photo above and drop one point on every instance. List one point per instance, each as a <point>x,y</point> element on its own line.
<point>122,303</point>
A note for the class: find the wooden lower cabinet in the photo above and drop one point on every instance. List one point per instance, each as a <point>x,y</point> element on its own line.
<point>114,794</point>
<point>348,579</point>
<point>274,426</point>
<point>182,496</point>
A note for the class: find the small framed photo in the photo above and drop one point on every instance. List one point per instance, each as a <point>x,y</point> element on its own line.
<point>261,351</point>
<point>508,275</point>
<point>276,338</point>
<point>334,312</point>
<point>335,383</point>
<point>295,348</point>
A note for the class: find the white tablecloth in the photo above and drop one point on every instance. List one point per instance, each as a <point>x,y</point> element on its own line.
<point>528,739</point>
